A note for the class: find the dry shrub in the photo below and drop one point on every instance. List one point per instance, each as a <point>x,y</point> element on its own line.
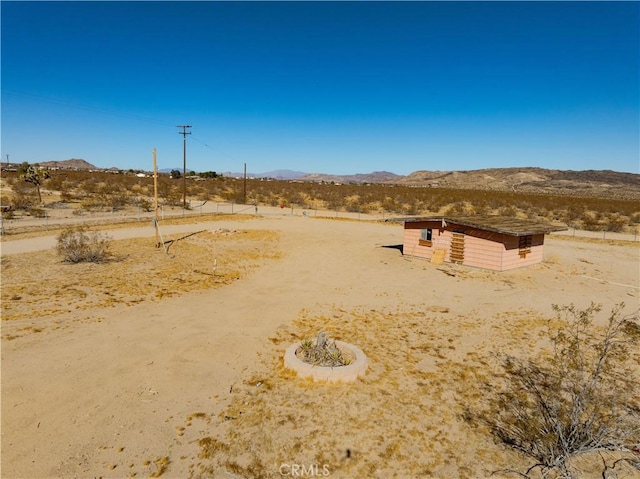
<point>580,400</point>
<point>79,245</point>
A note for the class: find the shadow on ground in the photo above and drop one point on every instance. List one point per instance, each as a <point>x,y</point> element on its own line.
<point>394,246</point>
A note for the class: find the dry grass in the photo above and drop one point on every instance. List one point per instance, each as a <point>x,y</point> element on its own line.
<point>405,417</point>
<point>40,284</point>
<point>17,232</point>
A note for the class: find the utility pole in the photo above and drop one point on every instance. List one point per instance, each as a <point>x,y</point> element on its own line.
<point>184,134</point>
<point>244,189</point>
<point>155,196</point>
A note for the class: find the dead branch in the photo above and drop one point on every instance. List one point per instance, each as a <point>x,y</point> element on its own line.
<point>171,241</point>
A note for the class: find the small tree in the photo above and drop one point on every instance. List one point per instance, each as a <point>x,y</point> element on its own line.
<point>77,245</point>
<point>175,174</point>
<point>583,399</point>
<point>33,176</point>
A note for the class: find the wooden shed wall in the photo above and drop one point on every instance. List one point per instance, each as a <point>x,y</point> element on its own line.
<point>482,249</point>
<point>511,257</point>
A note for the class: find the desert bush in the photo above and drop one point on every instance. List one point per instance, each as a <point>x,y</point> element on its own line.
<point>456,209</point>
<point>369,208</point>
<point>582,399</point>
<point>574,212</point>
<point>37,212</point>
<point>93,203</point>
<point>388,204</point>
<point>22,199</point>
<point>172,196</point>
<point>616,222</point>
<point>66,196</point>
<point>117,201</point>
<point>409,209</point>
<point>144,204</point>
<point>508,210</point>
<point>591,222</point>
<point>79,245</point>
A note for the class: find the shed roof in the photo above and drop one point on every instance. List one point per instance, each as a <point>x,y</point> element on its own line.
<point>498,224</point>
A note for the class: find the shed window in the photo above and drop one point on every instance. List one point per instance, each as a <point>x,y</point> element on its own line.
<point>524,246</point>
<point>425,237</point>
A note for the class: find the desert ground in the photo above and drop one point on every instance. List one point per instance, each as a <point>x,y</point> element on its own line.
<point>169,364</point>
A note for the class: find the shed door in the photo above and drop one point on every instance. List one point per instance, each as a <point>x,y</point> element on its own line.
<point>456,255</point>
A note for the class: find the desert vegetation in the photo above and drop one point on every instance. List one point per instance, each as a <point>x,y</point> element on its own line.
<point>77,244</point>
<point>578,399</point>
<point>77,276</point>
<point>322,352</point>
<point>105,191</point>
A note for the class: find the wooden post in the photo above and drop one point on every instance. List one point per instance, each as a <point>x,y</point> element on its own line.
<point>155,197</point>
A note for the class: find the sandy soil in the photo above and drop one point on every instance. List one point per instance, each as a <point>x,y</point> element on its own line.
<point>102,376</point>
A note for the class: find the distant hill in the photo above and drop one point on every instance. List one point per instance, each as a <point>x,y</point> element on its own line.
<point>72,164</point>
<point>598,183</point>
<point>601,183</point>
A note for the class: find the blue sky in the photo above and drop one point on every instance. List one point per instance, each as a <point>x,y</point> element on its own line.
<point>332,87</point>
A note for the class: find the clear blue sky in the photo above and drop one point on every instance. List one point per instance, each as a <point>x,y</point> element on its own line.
<point>330,87</point>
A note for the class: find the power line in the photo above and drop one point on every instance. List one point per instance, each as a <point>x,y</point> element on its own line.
<point>107,111</point>
<point>79,106</point>
<point>217,150</point>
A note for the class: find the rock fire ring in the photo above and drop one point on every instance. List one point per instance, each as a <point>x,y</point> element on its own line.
<point>345,374</point>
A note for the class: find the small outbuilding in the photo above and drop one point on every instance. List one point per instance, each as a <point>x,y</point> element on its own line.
<point>491,242</point>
